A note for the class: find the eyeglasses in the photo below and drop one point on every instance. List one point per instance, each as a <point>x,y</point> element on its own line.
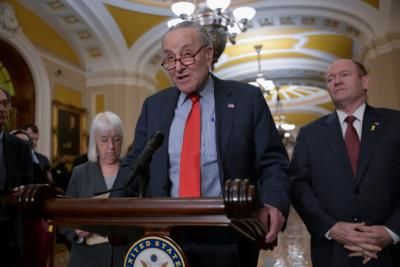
<point>186,60</point>
<point>5,103</point>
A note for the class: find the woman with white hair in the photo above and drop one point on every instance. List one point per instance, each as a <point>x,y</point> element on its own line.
<point>97,175</point>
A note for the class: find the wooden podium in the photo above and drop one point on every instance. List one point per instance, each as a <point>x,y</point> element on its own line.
<point>116,216</point>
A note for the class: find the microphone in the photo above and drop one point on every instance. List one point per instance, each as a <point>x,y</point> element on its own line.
<point>144,158</point>
<point>141,166</point>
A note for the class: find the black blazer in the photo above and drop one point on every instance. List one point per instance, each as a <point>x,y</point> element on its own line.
<point>86,180</point>
<point>43,160</point>
<point>17,160</point>
<point>18,165</point>
<point>324,190</point>
<point>248,144</point>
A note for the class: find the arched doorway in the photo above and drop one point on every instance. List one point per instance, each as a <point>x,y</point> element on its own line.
<point>21,80</point>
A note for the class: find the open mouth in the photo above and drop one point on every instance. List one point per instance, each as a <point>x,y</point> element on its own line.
<point>183,77</point>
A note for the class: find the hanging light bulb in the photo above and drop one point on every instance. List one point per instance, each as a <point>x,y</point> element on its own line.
<point>218,4</point>
<point>183,9</point>
<point>244,13</point>
<point>173,22</point>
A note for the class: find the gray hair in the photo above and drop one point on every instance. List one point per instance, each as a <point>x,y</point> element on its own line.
<point>103,122</point>
<point>201,31</point>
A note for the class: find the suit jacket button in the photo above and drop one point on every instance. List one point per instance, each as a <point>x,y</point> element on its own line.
<point>355,219</point>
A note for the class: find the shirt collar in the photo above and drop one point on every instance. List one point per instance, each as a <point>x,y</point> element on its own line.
<point>206,92</point>
<point>358,113</point>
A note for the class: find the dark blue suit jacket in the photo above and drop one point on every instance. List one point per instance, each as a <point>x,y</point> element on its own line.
<point>18,167</point>
<point>248,145</point>
<point>324,190</point>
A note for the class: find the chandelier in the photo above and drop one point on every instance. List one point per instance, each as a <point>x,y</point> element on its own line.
<point>268,87</point>
<point>216,17</point>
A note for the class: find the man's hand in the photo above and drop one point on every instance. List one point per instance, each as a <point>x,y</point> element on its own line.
<point>273,220</point>
<point>82,233</point>
<point>359,239</point>
<point>377,235</point>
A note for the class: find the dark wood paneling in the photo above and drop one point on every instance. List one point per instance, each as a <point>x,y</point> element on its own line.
<point>24,99</point>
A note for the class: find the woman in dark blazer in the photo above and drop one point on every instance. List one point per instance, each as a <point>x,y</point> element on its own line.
<point>97,175</point>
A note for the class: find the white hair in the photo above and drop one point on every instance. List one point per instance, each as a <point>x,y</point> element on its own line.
<point>103,122</point>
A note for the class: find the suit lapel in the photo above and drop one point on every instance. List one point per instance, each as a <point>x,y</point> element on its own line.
<point>372,128</point>
<point>225,107</point>
<point>97,175</point>
<point>334,137</point>
<point>168,110</point>
<point>167,113</point>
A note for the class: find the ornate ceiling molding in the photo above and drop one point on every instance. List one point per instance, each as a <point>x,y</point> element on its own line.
<point>8,21</point>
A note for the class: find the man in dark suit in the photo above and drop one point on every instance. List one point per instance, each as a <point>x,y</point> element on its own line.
<point>238,140</point>
<point>15,170</point>
<point>346,176</point>
<point>41,162</point>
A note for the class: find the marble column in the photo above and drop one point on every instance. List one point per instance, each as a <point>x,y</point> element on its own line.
<point>382,61</point>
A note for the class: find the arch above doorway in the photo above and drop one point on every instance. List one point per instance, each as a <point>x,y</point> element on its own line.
<point>23,84</point>
<point>38,85</point>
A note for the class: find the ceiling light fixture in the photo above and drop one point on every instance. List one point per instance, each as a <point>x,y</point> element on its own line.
<point>268,87</point>
<point>216,16</point>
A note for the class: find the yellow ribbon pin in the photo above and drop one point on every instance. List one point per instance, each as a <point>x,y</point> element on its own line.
<point>373,126</point>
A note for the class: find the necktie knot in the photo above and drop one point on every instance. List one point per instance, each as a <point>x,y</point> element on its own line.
<point>350,119</point>
<point>194,97</point>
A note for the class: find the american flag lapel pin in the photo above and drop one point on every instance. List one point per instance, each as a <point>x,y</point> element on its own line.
<point>231,105</point>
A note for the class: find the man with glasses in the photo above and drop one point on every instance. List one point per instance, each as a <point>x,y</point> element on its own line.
<point>214,130</point>
<point>15,170</point>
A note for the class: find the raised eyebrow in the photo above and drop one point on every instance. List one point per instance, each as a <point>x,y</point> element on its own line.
<point>168,54</point>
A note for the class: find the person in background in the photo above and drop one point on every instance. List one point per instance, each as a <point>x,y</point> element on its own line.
<point>234,137</point>
<point>61,175</point>
<point>15,171</point>
<point>36,237</point>
<point>97,175</point>
<point>346,176</point>
<point>81,158</point>
<point>42,167</point>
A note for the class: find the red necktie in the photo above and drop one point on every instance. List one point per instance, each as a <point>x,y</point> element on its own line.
<point>189,183</point>
<point>352,143</point>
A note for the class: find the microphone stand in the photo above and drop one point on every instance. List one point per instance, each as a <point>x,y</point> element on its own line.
<point>138,181</point>
<point>143,177</point>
